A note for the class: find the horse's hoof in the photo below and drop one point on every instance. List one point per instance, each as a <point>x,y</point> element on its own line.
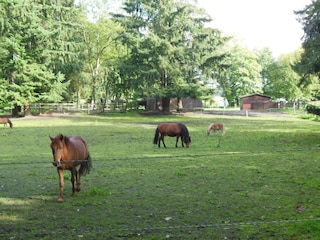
<point>78,189</point>
<point>60,200</point>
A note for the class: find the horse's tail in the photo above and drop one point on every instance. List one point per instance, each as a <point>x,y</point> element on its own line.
<point>87,165</point>
<point>156,136</point>
<point>223,131</point>
<point>10,123</point>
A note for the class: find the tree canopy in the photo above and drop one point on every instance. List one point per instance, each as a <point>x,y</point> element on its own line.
<point>169,47</point>
<point>38,48</point>
<point>310,60</point>
<point>51,51</point>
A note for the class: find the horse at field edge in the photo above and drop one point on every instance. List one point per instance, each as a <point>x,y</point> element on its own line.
<point>5,121</point>
<point>216,127</point>
<point>178,130</point>
<point>68,153</point>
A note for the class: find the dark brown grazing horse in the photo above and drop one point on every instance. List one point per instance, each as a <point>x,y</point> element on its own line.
<point>68,153</point>
<point>172,130</point>
<point>5,121</point>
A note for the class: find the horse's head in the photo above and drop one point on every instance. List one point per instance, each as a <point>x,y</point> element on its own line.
<point>208,131</point>
<point>57,149</point>
<point>187,140</point>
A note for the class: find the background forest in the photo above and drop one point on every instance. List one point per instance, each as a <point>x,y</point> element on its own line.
<point>69,51</point>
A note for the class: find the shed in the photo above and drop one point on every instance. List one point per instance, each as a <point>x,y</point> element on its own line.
<point>186,104</point>
<point>256,101</point>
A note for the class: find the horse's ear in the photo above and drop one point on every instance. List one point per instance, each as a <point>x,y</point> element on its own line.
<point>61,137</point>
<point>51,138</point>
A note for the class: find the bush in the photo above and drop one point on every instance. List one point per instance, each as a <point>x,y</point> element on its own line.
<point>312,109</point>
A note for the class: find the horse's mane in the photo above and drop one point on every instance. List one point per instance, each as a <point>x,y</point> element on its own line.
<point>184,130</point>
<point>63,138</point>
<point>209,127</point>
<point>67,139</point>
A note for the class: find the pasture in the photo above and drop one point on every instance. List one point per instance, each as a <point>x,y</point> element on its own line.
<point>263,181</point>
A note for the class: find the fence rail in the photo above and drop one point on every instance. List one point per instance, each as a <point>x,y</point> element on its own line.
<point>41,108</point>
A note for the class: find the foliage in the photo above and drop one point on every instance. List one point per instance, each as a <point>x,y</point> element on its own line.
<point>103,53</point>
<point>285,82</point>
<point>309,65</point>
<point>313,109</point>
<point>72,51</point>
<point>36,50</point>
<point>169,46</point>
<point>310,20</point>
<point>241,76</point>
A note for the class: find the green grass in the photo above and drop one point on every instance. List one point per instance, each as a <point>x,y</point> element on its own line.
<point>261,183</point>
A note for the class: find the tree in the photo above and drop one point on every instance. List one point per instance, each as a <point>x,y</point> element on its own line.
<point>35,49</point>
<point>310,62</point>
<point>241,74</point>
<point>266,60</point>
<point>168,47</point>
<point>284,81</point>
<point>102,52</point>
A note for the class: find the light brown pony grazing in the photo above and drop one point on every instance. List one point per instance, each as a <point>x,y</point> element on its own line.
<point>68,153</point>
<point>5,121</point>
<point>216,127</point>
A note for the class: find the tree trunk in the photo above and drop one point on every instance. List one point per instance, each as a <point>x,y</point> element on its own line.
<point>178,104</point>
<point>15,111</point>
<point>27,110</point>
<point>166,104</point>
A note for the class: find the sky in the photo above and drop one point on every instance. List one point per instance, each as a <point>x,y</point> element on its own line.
<point>259,23</point>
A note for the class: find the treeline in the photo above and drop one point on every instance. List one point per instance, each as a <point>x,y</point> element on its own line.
<point>59,51</point>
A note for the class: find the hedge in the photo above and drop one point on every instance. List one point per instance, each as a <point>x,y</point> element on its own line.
<point>312,109</point>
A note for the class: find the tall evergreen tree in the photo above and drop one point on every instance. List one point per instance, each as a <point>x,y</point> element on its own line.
<point>169,47</point>
<point>310,61</point>
<point>37,50</point>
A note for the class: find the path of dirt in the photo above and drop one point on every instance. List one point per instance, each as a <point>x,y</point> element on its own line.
<point>237,113</point>
<point>205,113</point>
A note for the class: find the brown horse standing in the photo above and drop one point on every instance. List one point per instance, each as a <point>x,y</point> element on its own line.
<point>172,130</point>
<point>68,153</point>
<point>5,121</point>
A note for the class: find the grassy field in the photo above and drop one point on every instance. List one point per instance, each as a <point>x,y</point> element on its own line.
<point>261,183</point>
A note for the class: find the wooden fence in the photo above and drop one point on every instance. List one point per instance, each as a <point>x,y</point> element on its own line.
<point>42,108</point>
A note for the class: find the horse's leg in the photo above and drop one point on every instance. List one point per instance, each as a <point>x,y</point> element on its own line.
<point>177,140</point>
<point>61,183</point>
<point>159,140</point>
<point>162,139</point>
<point>182,142</point>
<point>74,176</point>
<point>81,171</point>
<point>218,145</point>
